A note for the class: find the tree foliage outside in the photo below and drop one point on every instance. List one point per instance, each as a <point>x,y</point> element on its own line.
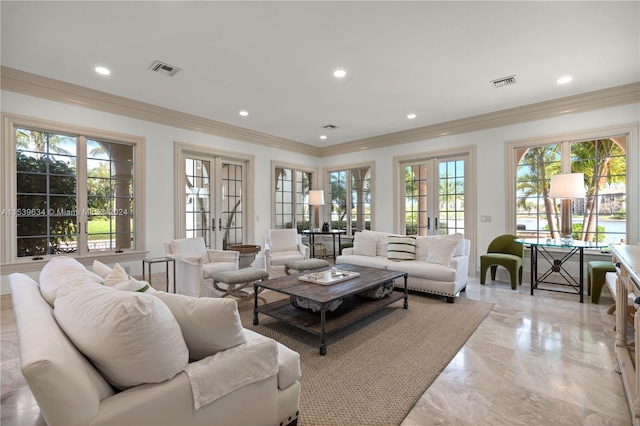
<point>603,164</point>
<point>45,231</point>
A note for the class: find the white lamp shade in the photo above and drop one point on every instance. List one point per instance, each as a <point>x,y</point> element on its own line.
<point>570,185</point>
<point>316,197</point>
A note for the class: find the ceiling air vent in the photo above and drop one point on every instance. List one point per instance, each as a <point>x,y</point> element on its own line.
<point>505,81</point>
<point>329,126</point>
<point>165,69</point>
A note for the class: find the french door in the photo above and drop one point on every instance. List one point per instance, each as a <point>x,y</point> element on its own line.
<point>435,196</point>
<point>213,203</point>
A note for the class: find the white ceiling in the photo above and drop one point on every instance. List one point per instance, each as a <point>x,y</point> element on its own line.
<point>276,59</point>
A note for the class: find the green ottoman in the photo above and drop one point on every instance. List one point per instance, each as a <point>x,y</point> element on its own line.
<point>596,271</point>
<point>304,265</point>
<point>236,281</point>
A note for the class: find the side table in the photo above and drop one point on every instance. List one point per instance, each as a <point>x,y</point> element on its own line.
<point>166,260</point>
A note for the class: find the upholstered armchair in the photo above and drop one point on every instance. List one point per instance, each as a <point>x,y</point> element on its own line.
<point>195,264</point>
<point>281,246</point>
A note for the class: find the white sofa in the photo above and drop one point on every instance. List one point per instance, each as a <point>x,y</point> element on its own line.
<point>247,379</point>
<point>440,263</point>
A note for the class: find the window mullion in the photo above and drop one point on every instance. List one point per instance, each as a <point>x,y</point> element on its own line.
<point>81,188</point>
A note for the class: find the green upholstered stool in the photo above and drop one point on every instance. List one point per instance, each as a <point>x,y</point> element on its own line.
<point>596,271</point>
<point>304,265</point>
<point>236,281</point>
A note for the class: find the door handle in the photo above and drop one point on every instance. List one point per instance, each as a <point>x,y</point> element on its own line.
<point>220,224</point>
<point>213,224</point>
<point>428,223</point>
<point>436,227</point>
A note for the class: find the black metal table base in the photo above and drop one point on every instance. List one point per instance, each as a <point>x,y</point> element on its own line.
<point>556,266</point>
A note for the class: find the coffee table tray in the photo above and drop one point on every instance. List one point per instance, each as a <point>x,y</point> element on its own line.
<point>327,277</point>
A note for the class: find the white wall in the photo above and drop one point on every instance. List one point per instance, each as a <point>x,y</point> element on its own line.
<point>159,160</point>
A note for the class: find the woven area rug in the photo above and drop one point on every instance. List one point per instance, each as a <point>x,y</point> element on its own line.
<point>376,369</point>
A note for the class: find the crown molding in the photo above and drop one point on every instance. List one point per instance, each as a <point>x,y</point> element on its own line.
<point>59,91</point>
<point>605,98</point>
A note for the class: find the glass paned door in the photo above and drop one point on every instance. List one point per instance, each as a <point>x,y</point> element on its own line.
<point>213,201</point>
<point>198,203</point>
<point>434,197</point>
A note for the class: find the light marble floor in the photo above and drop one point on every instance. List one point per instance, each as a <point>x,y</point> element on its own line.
<point>535,360</point>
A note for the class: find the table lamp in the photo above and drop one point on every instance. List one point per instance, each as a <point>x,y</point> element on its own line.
<point>316,198</point>
<point>567,186</point>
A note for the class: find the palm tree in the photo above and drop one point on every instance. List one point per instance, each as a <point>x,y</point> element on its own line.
<point>602,162</point>
<point>40,142</point>
<point>542,163</point>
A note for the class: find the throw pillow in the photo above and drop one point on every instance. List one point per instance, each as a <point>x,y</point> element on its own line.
<point>131,338</point>
<point>116,276</point>
<point>364,244</point>
<point>101,269</point>
<point>209,325</point>
<point>119,279</point>
<point>401,247</point>
<point>441,248</point>
<point>64,272</point>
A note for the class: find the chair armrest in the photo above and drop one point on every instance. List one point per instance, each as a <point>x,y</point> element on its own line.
<point>347,251</point>
<point>223,256</point>
<point>304,250</point>
<point>172,402</point>
<point>193,261</point>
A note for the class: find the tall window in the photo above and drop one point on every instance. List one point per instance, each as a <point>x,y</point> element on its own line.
<point>291,198</point>
<point>350,198</point>
<point>71,193</point>
<point>601,216</point>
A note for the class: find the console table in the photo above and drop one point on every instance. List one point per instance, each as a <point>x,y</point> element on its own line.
<point>332,232</point>
<point>540,246</point>
<point>627,261</point>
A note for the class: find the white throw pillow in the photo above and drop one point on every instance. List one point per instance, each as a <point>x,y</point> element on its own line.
<point>64,272</point>
<point>441,248</point>
<point>135,285</point>
<point>401,247</point>
<point>131,338</point>
<point>209,325</point>
<point>364,244</point>
<point>101,269</point>
<point>116,276</point>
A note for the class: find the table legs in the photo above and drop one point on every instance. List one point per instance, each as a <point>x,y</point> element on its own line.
<point>556,267</point>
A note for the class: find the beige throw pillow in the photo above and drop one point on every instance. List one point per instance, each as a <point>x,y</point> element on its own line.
<point>208,325</point>
<point>441,248</point>
<point>131,338</point>
<point>364,243</point>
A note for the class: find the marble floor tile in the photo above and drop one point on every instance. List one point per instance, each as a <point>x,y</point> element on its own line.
<point>535,360</point>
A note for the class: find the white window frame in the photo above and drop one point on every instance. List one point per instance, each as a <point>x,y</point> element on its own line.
<point>327,185</point>
<point>8,223</point>
<point>296,168</point>
<point>630,131</point>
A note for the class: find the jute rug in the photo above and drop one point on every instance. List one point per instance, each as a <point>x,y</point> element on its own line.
<point>375,370</point>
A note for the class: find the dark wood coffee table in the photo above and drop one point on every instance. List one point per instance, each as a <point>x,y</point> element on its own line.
<point>317,322</point>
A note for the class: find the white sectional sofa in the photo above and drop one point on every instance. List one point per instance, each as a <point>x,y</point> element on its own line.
<point>95,353</point>
<point>438,265</point>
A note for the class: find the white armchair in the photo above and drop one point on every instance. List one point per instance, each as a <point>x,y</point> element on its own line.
<point>281,246</point>
<point>195,264</point>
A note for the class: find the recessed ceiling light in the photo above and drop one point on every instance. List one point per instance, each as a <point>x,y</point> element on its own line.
<point>102,70</point>
<point>244,113</point>
<point>565,79</point>
<point>411,116</point>
<point>339,73</point>
<point>323,137</point>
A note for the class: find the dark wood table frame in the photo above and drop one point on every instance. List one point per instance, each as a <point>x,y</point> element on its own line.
<point>317,322</point>
<point>332,232</point>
